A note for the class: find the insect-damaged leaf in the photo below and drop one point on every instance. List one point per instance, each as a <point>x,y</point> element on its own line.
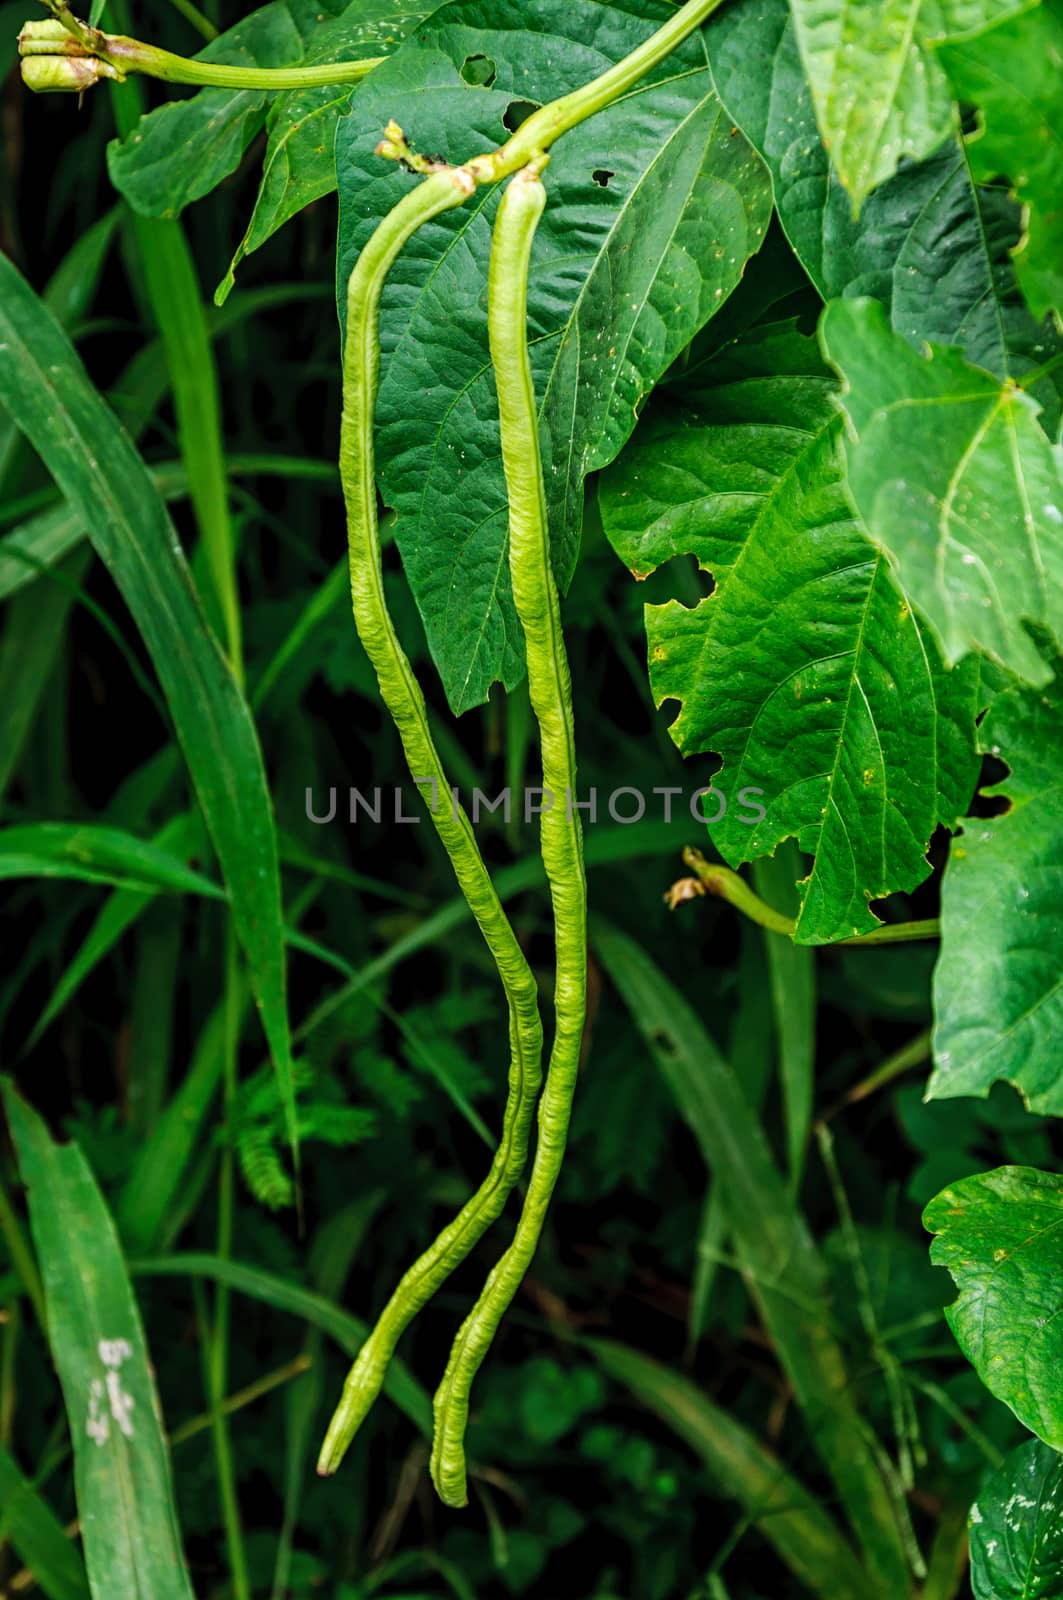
<point>121,1464</point>
<point>654,207</point>
<point>1002,919</point>
<point>1015,1528</point>
<point>955,478</point>
<point>999,1234</point>
<point>806,669</point>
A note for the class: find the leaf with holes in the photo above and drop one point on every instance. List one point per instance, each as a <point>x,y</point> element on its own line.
<point>880,92</point>
<point>655,206</point>
<point>931,244</point>
<point>975,522</point>
<point>1016,1532</point>
<point>1002,919</point>
<point>806,669</point>
<point>1000,1234</point>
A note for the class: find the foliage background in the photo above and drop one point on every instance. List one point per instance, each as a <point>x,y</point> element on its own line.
<point>580,1489</point>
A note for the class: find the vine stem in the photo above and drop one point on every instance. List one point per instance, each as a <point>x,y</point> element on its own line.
<point>64,52</point>
<point>711,878</point>
<point>538,609</point>
<point>402,696</point>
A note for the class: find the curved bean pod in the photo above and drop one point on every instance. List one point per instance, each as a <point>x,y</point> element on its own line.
<point>402,696</point>
<point>538,608</point>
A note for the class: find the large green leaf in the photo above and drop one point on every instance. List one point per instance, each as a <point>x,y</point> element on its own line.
<point>998,987</point>
<point>955,478</point>
<point>46,389</point>
<point>1013,76</point>
<point>654,207</point>
<point>1016,1532</point>
<point>880,92</point>
<point>805,669</point>
<point>1000,1234</point>
<point>121,1465</point>
<point>35,1532</point>
<point>932,245</point>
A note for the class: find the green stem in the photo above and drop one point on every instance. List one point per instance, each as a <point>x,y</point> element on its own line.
<point>538,608</point>
<point>910,1055</point>
<point>22,1257</point>
<point>67,37</point>
<point>729,886</point>
<point>405,702</point>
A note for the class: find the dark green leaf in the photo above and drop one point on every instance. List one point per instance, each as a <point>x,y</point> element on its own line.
<point>1016,1531</point>
<point>930,244</point>
<point>805,669</point>
<point>999,1234</point>
<point>1013,76</point>
<point>654,208</point>
<point>121,1465</point>
<point>975,524</point>
<point>998,989</point>
<point>44,385</point>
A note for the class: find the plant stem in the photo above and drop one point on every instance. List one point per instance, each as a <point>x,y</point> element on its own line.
<point>910,1055</point>
<point>79,40</point>
<point>729,886</point>
<point>22,1257</point>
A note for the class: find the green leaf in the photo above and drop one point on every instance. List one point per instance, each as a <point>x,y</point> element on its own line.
<point>998,989</point>
<point>999,1235</point>
<point>45,387</point>
<point>183,150</point>
<point>654,208</point>
<point>299,165</point>
<point>1015,1529</point>
<point>930,244</point>
<point>805,669</point>
<point>121,1465</point>
<point>94,854</point>
<point>879,90</point>
<point>34,1530</point>
<point>975,524</point>
<point>789,1517</point>
<point>1013,76</point>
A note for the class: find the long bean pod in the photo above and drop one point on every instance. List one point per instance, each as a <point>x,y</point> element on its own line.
<point>404,700</point>
<point>538,608</point>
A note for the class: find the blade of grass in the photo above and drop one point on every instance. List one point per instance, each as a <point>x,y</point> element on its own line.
<point>44,385</point>
<point>793,993</point>
<point>783,1268</point>
<point>91,853</point>
<point>28,1521</point>
<point>34,631</point>
<point>789,1517</point>
<point>121,1465</point>
<point>348,1331</point>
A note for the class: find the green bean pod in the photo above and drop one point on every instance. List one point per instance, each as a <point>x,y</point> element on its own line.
<point>402,696</point>
<point>538,607</point>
